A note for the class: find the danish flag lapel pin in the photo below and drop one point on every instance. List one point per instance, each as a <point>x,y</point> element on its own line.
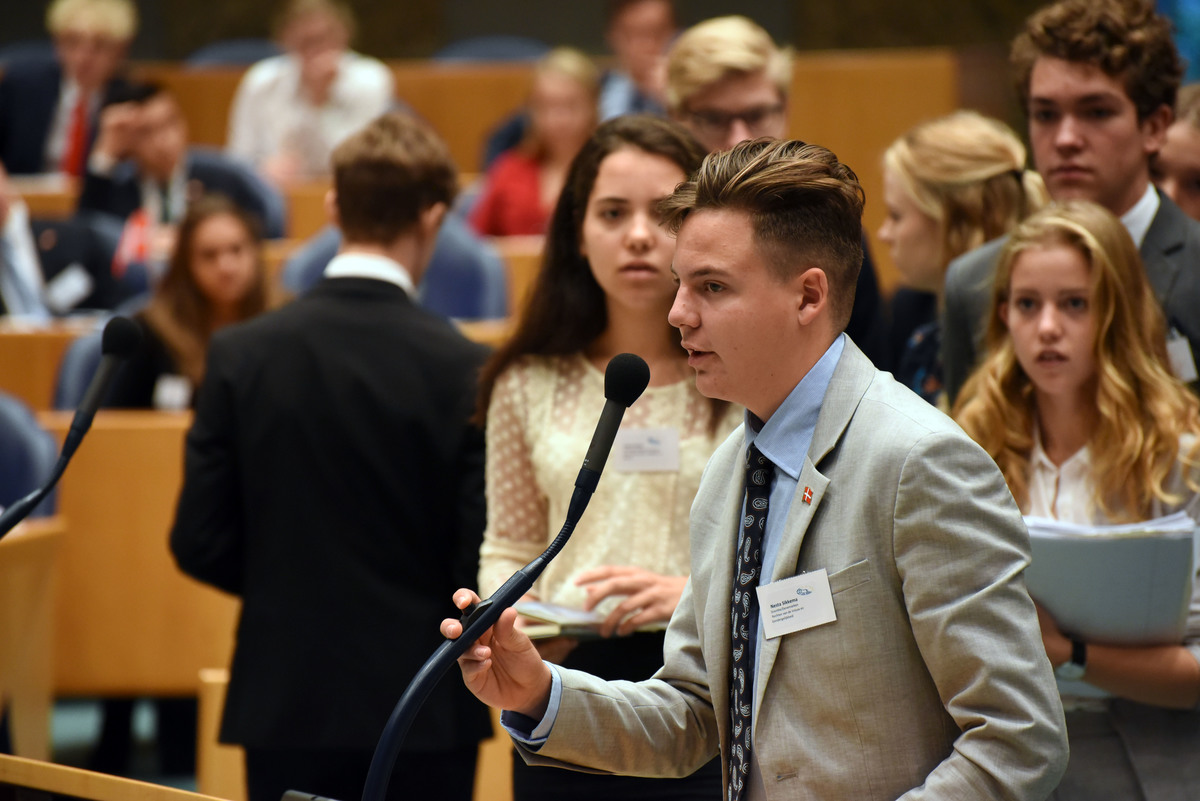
<point>808,494</point>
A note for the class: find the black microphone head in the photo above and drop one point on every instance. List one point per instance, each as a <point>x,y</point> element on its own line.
<point>121,338</point>
<point>626,378</point>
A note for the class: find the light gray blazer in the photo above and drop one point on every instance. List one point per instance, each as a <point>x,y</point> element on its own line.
<point>932,684</point>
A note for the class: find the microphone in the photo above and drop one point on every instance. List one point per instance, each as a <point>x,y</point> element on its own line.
<point>120,339</point>
<point>625,378</point>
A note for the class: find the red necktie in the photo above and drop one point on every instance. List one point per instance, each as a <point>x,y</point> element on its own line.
<point>77,136</point>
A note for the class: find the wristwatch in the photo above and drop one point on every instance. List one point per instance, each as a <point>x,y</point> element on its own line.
<point>1074,668</point>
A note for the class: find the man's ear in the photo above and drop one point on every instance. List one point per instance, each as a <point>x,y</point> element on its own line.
<point>812,295</point>
<point>1154,128</point>
<point>430,220</point>
<point>331,209</point>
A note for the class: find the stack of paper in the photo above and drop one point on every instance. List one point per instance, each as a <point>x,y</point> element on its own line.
<point>563,621</point>
<point>1121,585</point>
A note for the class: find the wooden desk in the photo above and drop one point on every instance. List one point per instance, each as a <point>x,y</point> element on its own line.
<point>50,196</point>
<point>128,622</point>
<point>27,577</point>
<point>306,208</point>
<point>30,356</point>
<point>55,781</point>
<point>487,332</point>
<point>523,258</point>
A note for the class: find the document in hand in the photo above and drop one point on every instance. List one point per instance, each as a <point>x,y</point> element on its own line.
<point>1117,584</point>
<point>563,621</point>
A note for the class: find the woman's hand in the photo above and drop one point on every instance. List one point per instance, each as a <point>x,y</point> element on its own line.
<point>502,668</point>
<point>1058,647</point>
<point>651,597</point>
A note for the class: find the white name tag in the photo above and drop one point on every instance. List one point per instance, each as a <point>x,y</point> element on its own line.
<point>646,450</point>
<point>172,393</point>
<point>795,604</point>
<point>1180,352</point>
<point>68,288</point>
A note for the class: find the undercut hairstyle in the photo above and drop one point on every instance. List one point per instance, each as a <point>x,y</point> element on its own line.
<point>805,209</point>
<point>967,173</point>
<point>386,175</point>
<point>113,19</point>
<point>717,49</point>
<point>567,309</point>
<point>1126,39</point>
<point>1142,409</point>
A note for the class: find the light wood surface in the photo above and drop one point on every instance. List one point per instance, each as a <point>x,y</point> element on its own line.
<point>59,780</point>
<point>523,257</point>
<point>30,356</point>
<point>50,196</point>
<point>128,622</point>
<point>27,577</point>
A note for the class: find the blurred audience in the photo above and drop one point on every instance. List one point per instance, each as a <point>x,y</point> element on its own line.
<point>1076,402</point>
<point>216,277</point>
<point>49,110</point>
<point>950,185</point>
<point>639,33</point>
<point>727,81</point>
<point>143,172</point>
<point>1176,168</point>
<point>21,284</point>
<point>290,111</point>
<point>1098,80</point>
<point>523,184</point>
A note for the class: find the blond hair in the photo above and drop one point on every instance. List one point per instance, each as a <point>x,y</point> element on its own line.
<point>1187,104</point>
<point>114,19</point>
<point>966,172</point>
<point>1142,410</point>
<point>718,48</point>
<point>575,66</point>
<point>295,10</point>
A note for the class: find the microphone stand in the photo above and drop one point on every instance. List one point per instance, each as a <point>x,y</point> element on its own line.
<point>476,619</point>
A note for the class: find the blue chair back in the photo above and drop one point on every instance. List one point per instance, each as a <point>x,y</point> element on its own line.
<point>493,48</point>
<point>231,53</point>
<point>27,455</point>
<point>247,188</point>
<point>466,278</point>
<point>78,365</point>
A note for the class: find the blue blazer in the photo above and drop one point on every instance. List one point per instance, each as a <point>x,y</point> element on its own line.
<point>29,94</point>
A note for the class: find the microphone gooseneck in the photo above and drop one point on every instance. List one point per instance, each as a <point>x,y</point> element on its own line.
<point>625,378</point>
<point>121,338</point>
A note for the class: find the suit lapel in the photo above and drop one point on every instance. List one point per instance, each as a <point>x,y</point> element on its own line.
<point>1165,236</point>
<point>851,377</point>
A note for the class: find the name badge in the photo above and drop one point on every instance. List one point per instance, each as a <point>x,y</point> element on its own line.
<point>172,393</point>
<point>1179,350</point>
<point>646,450</point>
<point>795,604</point>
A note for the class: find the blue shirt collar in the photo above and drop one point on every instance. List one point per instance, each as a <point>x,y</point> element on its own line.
<point>784,438</point>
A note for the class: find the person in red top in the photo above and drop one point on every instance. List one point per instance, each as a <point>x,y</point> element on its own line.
<point>523,184</point>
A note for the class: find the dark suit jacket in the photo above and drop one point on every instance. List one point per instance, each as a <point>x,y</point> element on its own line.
<point>333,482</point>
<point>120,194</point>
<point>1170,253</point>
<point>88,243</point>
<point>29,94</point>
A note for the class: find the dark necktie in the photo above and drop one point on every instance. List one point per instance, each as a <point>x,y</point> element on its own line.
<point>747,565</point>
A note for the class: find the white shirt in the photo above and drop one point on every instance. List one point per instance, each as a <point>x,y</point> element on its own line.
<point>56,140</point>
<point>271,114</point>
<point>1137,220</point>
<point>368,265</point>
<point>1061,492</point>
<point>21,282</point>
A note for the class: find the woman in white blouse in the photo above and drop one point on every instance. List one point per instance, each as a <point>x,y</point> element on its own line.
<point>1077,404</point>
<point>605,287</point>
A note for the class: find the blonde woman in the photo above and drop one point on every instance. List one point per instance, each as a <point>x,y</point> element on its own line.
<point>950,185</point>
<point>523,184</point>
<point>1077,404</point>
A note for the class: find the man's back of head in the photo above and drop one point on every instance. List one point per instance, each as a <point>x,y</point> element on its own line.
<point>1098,79</point>
<point>387,177</point>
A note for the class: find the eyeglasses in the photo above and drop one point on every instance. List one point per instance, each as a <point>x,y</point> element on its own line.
<point>758,120</point>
